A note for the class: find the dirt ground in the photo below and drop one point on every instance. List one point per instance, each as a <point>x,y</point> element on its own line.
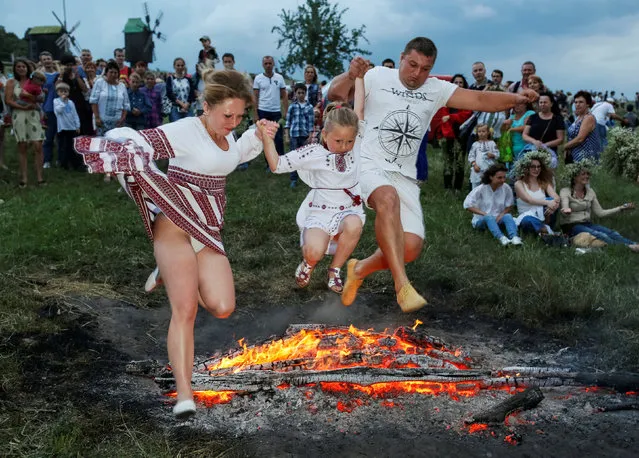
<point>294,423</point>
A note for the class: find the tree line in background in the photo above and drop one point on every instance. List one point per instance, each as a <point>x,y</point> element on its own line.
<point>10,44</point>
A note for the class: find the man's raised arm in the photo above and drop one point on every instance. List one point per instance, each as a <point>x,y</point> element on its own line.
<point>488,101</point>
<point>343,86</point>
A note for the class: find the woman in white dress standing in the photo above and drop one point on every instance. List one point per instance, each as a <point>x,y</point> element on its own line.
<point>183,211</point>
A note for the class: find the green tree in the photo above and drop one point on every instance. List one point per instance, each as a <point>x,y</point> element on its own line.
<point>11,44</point>
<point>315,34</point>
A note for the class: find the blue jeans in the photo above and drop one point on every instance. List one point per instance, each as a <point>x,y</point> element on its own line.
<point>279,137</point>
<point>531,225</point>
<point>602,233</point>
<point>296,142</point>
<point>489,222</point>
<point>50,137</point>
<point>177,114</point>
<point>603,135</point>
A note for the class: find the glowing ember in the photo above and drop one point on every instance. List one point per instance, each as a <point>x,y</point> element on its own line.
<point>512,439</point>
<point>477,427</point>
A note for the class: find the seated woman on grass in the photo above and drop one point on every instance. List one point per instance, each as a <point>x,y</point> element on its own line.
<point>579,201</point>
<point>332,210</point>
<point>536,196</point>
<point>490,203</point>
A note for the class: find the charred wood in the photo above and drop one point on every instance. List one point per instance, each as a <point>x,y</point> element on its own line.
<point>525,400</point>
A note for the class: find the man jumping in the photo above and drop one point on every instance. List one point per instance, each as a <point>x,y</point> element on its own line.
<point>400,104</point>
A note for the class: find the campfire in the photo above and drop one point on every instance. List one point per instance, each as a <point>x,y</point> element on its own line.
<point>358,368</point>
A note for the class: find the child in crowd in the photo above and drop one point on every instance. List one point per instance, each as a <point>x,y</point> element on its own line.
<point>155,93</point>
<point>299,122</point>
<point>68,127</point>
<point>317,127</point>
<point>482,155</point>
<point>332,216</point>
<point>32,89</point>
<point>140,104</point>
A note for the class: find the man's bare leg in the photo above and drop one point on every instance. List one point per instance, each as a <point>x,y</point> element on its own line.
<point>391,253</point>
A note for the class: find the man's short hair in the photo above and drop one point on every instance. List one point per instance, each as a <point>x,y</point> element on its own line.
<point>388,61</point>
<point>116,50</point>
<point>268,57</point>
<point>85,50</point>
<point>423,46</point>
<point>46,53</point>
<point>479,62</point>
<point>228,54</point>
<point>299,86</point>
<point>499,72</point>
<point>530,62</point>
<point>142,63</point>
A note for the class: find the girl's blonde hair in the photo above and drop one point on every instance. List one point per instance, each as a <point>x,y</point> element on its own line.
<point>339,114</point>
<point>38,75</point>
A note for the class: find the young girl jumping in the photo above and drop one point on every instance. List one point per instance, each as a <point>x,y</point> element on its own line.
<point>331,217</point>
<point>483,153</point>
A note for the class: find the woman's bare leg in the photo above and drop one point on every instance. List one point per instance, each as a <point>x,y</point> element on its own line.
<point>215,280</point>
<point>22,151</point>
<point>38,160</point>
<point>178,263</point>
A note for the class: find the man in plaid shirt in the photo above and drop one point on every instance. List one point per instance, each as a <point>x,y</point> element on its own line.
<point>299,123</point>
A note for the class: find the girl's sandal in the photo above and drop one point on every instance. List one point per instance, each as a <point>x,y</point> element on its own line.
<point>303,274</point>
<point>335,282</point>
<point>22,185</point>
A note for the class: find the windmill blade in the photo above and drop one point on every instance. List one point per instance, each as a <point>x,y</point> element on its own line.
<point>77,24</point>
<point>161,36</point>
<point>149,43</point>
<point>64,26</point>
<point>147,15</point>
<point>158,19</point>
<point>75,44</point>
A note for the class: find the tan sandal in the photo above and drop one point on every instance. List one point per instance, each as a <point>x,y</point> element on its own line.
<point>352,284</point>
<point>335,282</point>
<point>410,300</point>
<point>303,274</point>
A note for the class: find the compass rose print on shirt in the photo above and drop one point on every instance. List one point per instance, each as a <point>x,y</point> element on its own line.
<point>400,133</point>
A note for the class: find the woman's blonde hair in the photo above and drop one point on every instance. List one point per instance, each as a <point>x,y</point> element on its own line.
<point>226,84</point>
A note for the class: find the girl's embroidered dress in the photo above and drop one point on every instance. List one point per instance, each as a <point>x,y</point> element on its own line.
<point>192,193</point>
<point>334,182</point>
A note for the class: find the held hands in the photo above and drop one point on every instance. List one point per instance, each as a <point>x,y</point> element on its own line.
<point>358,68</point>
<point>265,127</point>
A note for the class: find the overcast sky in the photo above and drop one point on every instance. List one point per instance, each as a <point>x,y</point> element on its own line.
<point>576,44</point>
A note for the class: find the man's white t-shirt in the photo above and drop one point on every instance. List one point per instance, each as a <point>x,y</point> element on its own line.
<point>600,111</point>
<point>269,88</point>
<point>397,119</point>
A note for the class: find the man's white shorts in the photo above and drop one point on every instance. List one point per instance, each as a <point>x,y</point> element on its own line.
<point>408,190</point>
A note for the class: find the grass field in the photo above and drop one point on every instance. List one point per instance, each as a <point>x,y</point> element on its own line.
<point>79,236</point>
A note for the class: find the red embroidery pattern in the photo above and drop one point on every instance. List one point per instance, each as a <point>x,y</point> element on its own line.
<point>206,182</point>
<point>340,162</point>
<point>158,141</point>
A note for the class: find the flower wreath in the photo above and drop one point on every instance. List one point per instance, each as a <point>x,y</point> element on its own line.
<point>522,164</point>
<point>572,170</point>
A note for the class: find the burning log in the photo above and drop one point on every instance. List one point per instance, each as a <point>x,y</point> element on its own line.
<point>621,382</point>
<point>525,400</point>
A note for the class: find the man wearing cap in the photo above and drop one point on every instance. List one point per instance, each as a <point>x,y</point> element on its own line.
<point>603,111</point>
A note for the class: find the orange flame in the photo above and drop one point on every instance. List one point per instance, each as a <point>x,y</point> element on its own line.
<point>417,323</point>
<point>210,398</point>
<point>374,349</point>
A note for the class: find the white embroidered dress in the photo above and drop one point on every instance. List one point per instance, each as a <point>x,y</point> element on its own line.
<point>334,182</point>
<point>192,193</point>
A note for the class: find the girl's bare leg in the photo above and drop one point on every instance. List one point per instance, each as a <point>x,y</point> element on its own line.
<point>22,151</point>
<point>315,244</point>
<point>349,234</point>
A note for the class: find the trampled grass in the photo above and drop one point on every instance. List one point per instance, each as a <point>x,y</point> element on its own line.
<point>79,235</point>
